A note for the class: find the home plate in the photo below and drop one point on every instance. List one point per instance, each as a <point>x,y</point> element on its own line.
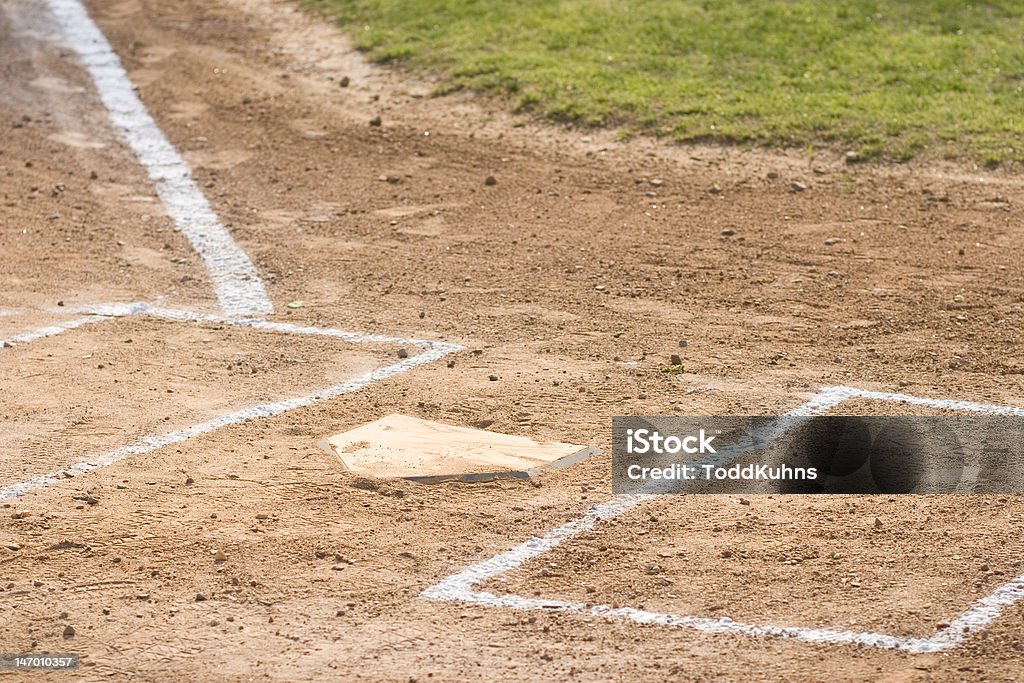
<point>399,446</point>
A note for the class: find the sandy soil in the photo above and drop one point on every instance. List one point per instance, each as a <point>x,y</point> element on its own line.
<point>572,278</point>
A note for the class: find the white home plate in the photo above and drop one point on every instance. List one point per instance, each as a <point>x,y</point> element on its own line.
<point>398,446</point>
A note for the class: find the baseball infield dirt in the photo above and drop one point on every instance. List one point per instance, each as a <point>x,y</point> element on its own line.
<point>569,265</point>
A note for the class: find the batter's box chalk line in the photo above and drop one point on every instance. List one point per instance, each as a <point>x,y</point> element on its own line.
<point>461,587</point>
<point>430,351</point>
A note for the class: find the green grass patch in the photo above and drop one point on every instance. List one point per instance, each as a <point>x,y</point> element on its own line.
<point>889,79</point>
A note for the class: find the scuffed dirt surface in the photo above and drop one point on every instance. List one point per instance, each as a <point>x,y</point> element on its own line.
<point>571,278</point>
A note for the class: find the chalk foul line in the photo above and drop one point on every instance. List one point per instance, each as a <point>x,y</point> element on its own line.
<point>239,289</point>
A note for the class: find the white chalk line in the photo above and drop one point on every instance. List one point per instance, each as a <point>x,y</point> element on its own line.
<point>239,288</point>
<point>48,331</point>
<point>93,313</point>
<point>431,351</point>
<point>289,328</point>
<point>460,587</point>
<point>88,315</point>
<point>943,403</point>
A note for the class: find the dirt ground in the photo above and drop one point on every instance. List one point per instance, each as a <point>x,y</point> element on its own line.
<point>571,278</point>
